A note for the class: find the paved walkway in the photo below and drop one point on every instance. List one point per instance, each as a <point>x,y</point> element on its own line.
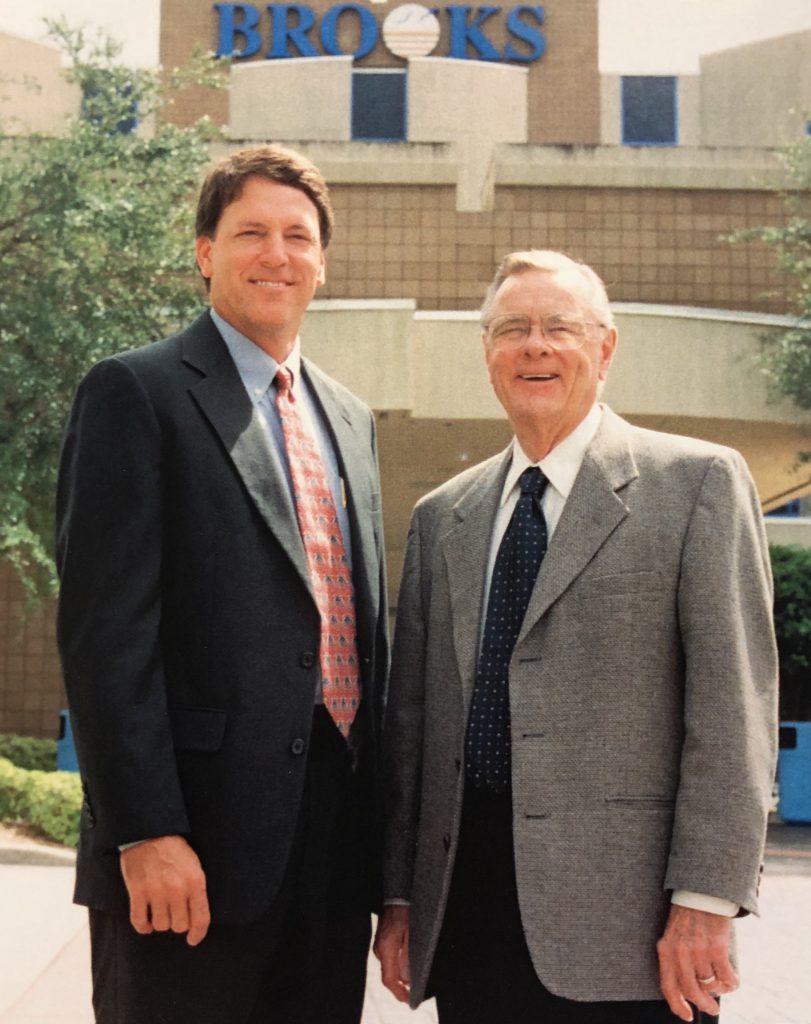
<point>45,947</point>
<point>44,972</point>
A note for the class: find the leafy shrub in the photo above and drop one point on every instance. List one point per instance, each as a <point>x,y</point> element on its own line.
<point>791,566</point>
<point>29,752</point>
<point>54,805</point>
<point>49,801</point>
<point>12,791</point>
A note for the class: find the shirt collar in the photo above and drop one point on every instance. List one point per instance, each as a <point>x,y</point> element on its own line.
<point>562,464</point>
<point>255,367</point>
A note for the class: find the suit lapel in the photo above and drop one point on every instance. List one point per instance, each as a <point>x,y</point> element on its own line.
<point>466,548</point>
<point>222,398</point>
<point>592,512</point>
<point>339,423</point>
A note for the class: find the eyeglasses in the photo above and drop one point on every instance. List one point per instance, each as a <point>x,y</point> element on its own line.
<point>560,332</point>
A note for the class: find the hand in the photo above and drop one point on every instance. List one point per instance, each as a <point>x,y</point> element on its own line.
<point>167,888</point>
<point>695,945</point>
<point>391,949</point>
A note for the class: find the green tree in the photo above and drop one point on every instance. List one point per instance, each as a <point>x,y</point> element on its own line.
<point>787,358</point>
<point>96,256</point>
<point>791,566</point>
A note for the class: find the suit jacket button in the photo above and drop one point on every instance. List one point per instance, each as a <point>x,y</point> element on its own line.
<point>307,659</point>
<point>458,764</point>
<point>446,842</point>
<point>297,747</point>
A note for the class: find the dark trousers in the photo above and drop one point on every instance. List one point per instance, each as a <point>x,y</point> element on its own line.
<point>302,963</point>
<point>482,972</point>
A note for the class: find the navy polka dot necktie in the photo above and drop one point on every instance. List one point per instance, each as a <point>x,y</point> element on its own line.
<point>487,746</point>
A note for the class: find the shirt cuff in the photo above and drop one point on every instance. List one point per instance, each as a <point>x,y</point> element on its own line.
<point>709,904</point>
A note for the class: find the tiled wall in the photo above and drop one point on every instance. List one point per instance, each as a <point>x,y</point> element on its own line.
<point>31,694</point>
<point>650,245</point>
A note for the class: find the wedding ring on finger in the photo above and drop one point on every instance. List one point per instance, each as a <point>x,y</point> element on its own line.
<point>706,981</point>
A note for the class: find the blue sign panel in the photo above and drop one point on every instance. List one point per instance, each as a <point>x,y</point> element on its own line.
<point>289,27</point>
<point>237,36</point>
<point>465,30</point>
<point>293,31</point>
<point>527,33</point>
<point>369,31</point>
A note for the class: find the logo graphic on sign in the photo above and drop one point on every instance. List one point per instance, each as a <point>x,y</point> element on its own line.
<point>410,30</point>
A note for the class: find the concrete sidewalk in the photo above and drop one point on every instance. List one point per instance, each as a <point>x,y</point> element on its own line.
<point>45,947</point>
<point>44,952</point>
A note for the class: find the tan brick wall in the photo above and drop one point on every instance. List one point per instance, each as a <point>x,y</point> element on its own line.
<point>184,25</point>
<point>563,86</point>
<point>31,693</point>
<point>650,245</point>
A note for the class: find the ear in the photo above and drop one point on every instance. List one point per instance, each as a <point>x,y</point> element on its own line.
<point>487,351</point>
<point>607,348</point>
<point>322,271</point>
<point>202,247</point>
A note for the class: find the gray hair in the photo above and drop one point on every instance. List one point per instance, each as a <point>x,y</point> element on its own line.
<point>554,263</point>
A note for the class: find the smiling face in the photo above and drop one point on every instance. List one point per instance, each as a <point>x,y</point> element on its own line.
<point>264,263</point>
<point>546,392</point>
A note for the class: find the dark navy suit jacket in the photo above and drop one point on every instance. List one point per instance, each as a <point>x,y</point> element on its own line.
<point>187,628</point>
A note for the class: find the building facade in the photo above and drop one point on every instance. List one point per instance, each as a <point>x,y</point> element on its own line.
<point>35,98</point>
<point>454,135</point>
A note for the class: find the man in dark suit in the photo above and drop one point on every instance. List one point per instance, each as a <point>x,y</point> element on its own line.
<point>222,632</point>
<point>580,733</point>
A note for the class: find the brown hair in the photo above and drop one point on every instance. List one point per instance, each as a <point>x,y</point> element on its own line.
<point>225,181</point>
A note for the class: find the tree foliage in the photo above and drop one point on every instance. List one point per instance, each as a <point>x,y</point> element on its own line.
<point>787,357</point>
<point>96,256</point>
<point>29,752</point>
<point>791,566</point>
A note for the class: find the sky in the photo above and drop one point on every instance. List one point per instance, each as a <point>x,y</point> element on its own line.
<point>643,37</point>
<point>636,36</point>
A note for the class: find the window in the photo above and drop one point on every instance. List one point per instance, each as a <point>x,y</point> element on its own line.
<point>792,509</point>
<point>104,98</point>
<point>649,110</point>
<point>379,104</point>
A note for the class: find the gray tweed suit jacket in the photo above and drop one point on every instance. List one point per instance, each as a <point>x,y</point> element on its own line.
<point>642,692</point>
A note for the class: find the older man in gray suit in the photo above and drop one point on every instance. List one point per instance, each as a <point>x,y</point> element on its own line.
<point>580,733</point>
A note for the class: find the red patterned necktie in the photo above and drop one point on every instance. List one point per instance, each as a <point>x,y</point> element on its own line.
<point>330,574</point>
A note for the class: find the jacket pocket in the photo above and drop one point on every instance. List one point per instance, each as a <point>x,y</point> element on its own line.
<point>641,802</point>
<point>198,728</point>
